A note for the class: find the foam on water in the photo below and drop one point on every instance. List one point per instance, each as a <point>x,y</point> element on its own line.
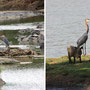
<point>18,26</point>
<point>25,79</point>
<point>19,46</point>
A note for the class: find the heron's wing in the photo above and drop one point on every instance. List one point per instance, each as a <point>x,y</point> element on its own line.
<point>6,41</point>
<point>82,39</point>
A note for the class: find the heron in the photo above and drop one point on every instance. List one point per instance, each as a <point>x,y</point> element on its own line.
<point>82,40</point>
<point>5,40</point>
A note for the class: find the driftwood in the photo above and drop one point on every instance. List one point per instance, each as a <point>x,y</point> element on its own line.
<point>15,51</point>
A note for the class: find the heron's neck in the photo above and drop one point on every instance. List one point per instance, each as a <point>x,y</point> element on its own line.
<point>87,28</point>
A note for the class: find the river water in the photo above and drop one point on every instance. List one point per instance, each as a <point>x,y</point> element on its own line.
<point>28,76</point>
<point>21,26</point>
<point>65,24</point>
<point>23,77</point>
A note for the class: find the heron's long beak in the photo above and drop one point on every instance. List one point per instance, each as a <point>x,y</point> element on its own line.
<point>88,20</point>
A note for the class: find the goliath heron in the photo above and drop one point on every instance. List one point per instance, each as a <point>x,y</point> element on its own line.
<point>82,40</point>
<point>5,40</point>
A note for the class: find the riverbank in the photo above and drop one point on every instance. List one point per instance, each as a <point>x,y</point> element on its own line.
<point>24,59</point>
<point>20,17</point>
<point>59,73</point>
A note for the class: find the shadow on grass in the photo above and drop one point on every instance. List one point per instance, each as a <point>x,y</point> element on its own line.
<point>62,66</point>
<point>60,72</point>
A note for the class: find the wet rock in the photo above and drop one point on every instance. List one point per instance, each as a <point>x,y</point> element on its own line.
<point>1,42</point>
<point>36,37</point>
<point>41,25</point>
<point>8,61</point>
<point>2,82</point>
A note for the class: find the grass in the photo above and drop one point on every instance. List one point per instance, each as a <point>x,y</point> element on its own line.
<point>23,20</point>
<point>62,66</point>
<point>10,34</point>
<point>79,72</point>
<point>38,60</point>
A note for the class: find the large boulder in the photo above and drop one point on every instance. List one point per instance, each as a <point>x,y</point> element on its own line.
<point>8,61</point>
<point>2,82</point>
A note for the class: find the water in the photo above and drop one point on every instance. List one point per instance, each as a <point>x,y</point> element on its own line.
<point>20,26</point>
<point>65,24</point>
<point>19,46</point>
<point>23,77</point>
<point>26,76</point>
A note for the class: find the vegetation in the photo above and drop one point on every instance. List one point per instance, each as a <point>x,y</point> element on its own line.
<point>72,74</point>
<point>10,34</point>
<point>23,20</point>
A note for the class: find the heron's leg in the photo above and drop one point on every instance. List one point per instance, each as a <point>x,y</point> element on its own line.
<point>74,60</point>
<point>80,58</point>
<point>85,48</point>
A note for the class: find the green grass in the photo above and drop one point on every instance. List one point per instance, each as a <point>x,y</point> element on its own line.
<point>62,66</point>
<point>60,69</point>
<point>23,20</point>
<point>10,34</point>
<point>38,60</point>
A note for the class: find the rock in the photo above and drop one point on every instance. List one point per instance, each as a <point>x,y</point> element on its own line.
<point>2,82</point>
<point>8,61</point>
<point>36,37</point>
<point>1,42</point>
<point>25,62</point>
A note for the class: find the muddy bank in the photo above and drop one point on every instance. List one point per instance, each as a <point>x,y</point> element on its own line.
<point>25,59</point>
<point>21,4</point>
<point>8,61</point>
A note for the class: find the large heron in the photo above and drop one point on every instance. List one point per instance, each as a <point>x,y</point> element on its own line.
<point>82,40</point>
<point>5,40</point>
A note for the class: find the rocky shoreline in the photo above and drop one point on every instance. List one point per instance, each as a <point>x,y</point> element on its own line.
<point>13,15</point>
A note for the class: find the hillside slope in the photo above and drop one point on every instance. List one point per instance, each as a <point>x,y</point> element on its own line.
<point>21,4</point>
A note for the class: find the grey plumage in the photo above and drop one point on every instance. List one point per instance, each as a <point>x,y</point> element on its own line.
<point>82,39</point>
<point>5,41</point>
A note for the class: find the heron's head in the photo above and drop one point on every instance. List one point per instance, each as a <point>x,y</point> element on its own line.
<point>86,20</point>
<point>3,36</point>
